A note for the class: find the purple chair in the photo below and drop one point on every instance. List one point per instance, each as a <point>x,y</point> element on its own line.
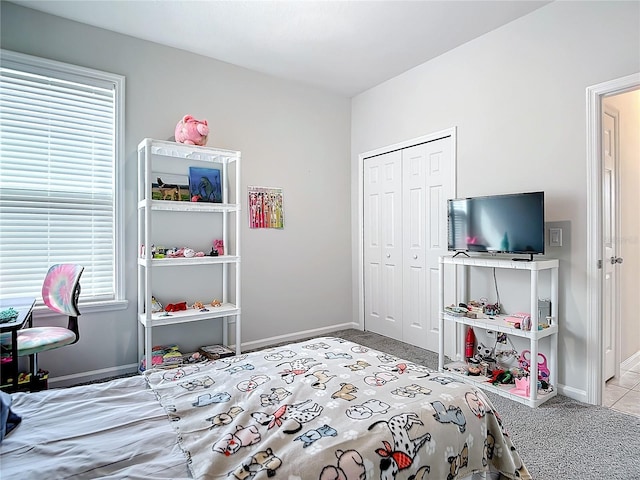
<point>60,292</point>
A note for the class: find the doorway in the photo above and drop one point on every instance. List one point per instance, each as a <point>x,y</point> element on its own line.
<point>611,222</point>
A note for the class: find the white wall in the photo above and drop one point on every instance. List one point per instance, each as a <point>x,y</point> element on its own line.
<point>294,280</point>
<point>517,96</point>
<point>628,107</point>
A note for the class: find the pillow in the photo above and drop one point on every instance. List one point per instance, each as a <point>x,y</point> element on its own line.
<point>8,419</point>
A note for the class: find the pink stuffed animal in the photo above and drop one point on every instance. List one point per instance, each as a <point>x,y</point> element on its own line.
<point>192,131</point>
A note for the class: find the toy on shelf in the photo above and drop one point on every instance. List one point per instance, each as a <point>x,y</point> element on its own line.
<point>156,306</point>
<point>501,377</point>
<point>191,131</point>
<point>525,363</point>
<point>183,252</point>
<point>200,306</point>
<point>219,246</point>
<point>215,303</point>
<point>476,309</point>
<point>492,309</point>
<point>522,387</point>
<point>469,343</point>
<point>176,307</point>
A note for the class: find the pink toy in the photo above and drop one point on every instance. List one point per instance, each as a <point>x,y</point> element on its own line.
<point>191,131</point>
<point>525,362</point>
<point>219,246</point>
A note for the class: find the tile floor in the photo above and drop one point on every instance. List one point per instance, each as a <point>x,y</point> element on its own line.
<point>623,394</point>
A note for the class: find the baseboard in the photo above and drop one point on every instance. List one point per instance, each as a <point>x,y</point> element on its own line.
<point>290,337</point>
<point>573,393</point>
<point>631,361</point>
<point>82,377</point>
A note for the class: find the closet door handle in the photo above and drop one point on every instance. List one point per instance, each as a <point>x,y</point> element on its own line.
<point>388,255</point>
<point>615,260</point>
<point>415,257</point>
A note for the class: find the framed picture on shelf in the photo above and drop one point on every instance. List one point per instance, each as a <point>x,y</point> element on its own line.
<point>169,186</point>
<point>204,185</point>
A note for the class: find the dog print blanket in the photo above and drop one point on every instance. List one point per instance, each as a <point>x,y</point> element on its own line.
<point>327,409</point>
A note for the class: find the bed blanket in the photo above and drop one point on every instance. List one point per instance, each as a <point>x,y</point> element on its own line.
<point>327,409</point>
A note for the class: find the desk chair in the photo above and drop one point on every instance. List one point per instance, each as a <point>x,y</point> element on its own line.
<point>60,292</point>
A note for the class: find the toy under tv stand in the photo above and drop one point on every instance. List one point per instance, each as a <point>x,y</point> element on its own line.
<point>497,323</point>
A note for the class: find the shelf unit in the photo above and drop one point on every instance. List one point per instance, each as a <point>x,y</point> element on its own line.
<point>497,323</point>
<point>175,158</point>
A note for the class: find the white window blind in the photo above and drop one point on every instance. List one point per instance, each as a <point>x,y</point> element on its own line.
<point>57,176</point>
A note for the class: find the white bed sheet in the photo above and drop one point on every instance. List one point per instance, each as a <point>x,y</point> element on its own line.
<point>109,430</point>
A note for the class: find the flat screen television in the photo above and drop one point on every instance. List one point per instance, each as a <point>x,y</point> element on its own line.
<point>511,223</point>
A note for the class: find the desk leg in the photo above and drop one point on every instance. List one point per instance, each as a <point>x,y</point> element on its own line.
<point>14,358</point>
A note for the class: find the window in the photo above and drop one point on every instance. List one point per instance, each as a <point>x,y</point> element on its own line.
<point>60,193</point>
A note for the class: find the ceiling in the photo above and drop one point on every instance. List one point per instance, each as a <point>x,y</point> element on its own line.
<point>345,47</point>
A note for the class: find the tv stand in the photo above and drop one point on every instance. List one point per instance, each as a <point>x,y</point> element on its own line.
<point>545,339</point>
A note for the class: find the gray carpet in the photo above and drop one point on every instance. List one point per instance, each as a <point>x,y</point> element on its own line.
<point>560,440</point>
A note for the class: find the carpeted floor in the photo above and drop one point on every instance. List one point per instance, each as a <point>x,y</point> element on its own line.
<point>561,440</point>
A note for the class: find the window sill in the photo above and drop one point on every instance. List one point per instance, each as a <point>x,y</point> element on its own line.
<point>42,311</point>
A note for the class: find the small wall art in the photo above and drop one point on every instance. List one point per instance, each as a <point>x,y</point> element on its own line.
<point>204,185</point>
<point>266,207</point>
<point>171,187</point>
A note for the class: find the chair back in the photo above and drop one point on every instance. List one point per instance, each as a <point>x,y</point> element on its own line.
<point>61,288</point>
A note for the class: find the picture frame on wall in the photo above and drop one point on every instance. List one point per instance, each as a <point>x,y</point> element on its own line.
<point>205,185</point>
<point>266,207</point>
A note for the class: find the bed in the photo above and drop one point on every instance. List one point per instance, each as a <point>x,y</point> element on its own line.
<point>321,409</point>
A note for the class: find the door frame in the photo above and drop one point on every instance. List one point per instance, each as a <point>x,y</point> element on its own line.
<point>595,245</point>
<point>448,132</point>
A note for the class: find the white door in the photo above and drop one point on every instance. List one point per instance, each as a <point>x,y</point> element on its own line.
<point>404,233</point>
<point>383,244</point>
<point>609,227</point>
<point>427,184</point>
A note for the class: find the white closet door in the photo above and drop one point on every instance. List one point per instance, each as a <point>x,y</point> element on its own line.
<point>414,223</point>
<point>440,186</point>
<point>405,231</point>
<point>383,244</point>
<point>427,184</point>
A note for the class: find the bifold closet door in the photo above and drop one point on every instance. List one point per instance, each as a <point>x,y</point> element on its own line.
<point>405,231</point>
<point>427,184</point>
<point>382,239</point>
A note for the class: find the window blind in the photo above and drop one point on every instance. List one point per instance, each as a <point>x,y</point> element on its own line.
<point>57,174</point>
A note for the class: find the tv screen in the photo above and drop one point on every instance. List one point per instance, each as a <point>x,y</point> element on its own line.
<point>512,223</point>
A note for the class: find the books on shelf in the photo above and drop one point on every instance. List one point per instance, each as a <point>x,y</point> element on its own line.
<point>214,352</point>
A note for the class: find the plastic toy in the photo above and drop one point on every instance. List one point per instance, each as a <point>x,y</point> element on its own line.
<point>492,309</point>
<point>191,131</point>
<point>183,252</point>
<point>484,351</point>
<point>176,307</point>
<point>156,306</point>
<point>219,246</point>
<point>216,303</point>
<point>525,362</point>
<point>469,343</point>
